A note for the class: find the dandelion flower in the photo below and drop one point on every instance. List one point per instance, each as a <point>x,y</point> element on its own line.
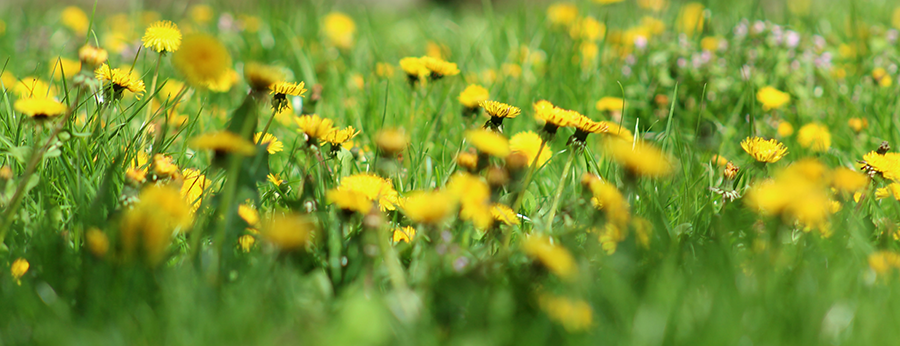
<point>203,60</point>
<point>195,183</point>
<point>883,261</point>
<point>223,142</point>
<point>529,143</point>
<point>858,124</point>
<point>391,141</point>
<point>610,237</point>
<point>892,190</point>
<point>349,200</point>
<point>587,29</point>
<point>584,126</point>
<point>314,126</point>
<point>120,80</point>
<point>64,67</point>
<point>288,232</point>
<point>552,117</point>
<point>887,164</point>
<point>39,108</point>
<point>472,96</point>
<point>489,143</point>
<point>428,207</point>
<point>609,199</point>
<point>505,214</point>
<point>772,98</point>
<point>92,56</point>
<point>162,36</point>
<point>785,129</point>
<point>404,234</point>
<point>467,160</point>
<point>610,104</point>
<point>280,92</point>
<point>498,111</point>
<point>573,315</point>
<point>553,256</point>
<point>201,13</point>
<point>640,158</point>
<point>33,87</point>
<point>439,68</point>
<point>562,14</point>
<point>374,188</point>
<point>815,137</point>
<point>76,20</point>
<point>163,166</point>
<point>337,137</point>
<point>273,145</point>
<point>340,29</point>
<point>474,196</point>
<point>261,77</point>
<point>274,179</point>
<point>152,220</point>
<point>690,18</point>
<point>766,151</point>
<point>18,269</point>
<point>414,68</point>
<point>96,242</point>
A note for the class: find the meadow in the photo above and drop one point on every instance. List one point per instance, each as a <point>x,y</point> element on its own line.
<point>604,172</point>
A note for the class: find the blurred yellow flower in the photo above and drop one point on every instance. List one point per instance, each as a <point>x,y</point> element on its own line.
<point>815,137</point>
<point>653,5</point>
<point>33,87</point>
<point>288,232</point>
<point>772,98</point>
<point>201,13</point>
<point>339,29</point>
<point>883,261</point>
<point>489,142</point>
<point>249,214</point>
<point>314,126</point>
<point>562,13</point>
<point>349,200</point>
<point>204,61</point>
<point>150,223</point>
<point>615,131</point>
<point>892,190</point>
<point>391,141</point>
<point>639,158</point>
<point>610,236</point>
<point>858,124</point>
<point>439,68</point>
<point>609,199</point>
<point>97,242</point>
<point>223,142</point>
<point>849,181</point>
<point>785,129</point>
<point>768,151</point>
<point>337,137</point>
<point>573,315</point>
<point>64,67</point>
<point>39,108</point>
<point>691,18</point>
<point>18,269</point>
<point>473,95</point>
<point>414,68</point>
<point>162,36</point>
<point>195,183</point>
<point>261,77</point>
<point>92,56</point>
<point>587,29</point>
<point>75,19</point>
<point>529,143</point>
<point>428,207</point>
<point>553,256</point>
<point>474,196</point>
<point>607,2</point>
<point>610,103</point>
<point>505,214</point>
<point>374,188</point>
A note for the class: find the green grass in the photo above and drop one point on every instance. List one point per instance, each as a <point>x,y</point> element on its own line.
<point>714,272</point>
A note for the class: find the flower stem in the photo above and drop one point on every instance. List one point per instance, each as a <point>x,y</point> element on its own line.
<point>153,86</point>
<point>528,177</point>
<point>335,240</point>
<point>391,261</point>
<point>559,189</point>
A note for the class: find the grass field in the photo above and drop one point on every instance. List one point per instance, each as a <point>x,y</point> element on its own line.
<point>637,172</point>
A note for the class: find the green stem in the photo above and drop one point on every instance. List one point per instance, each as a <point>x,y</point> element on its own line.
<point>266,129</point>
<point>528,177</point>
<point>153,86</point>
<point>335,240</point>
<point>391,261</point>
<point>559,189</point>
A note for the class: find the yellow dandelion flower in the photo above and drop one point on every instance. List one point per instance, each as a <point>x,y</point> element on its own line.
<point>573,315</point>
<point>201,13</point>
<point>767,151</point>
<point>97,242</point>
<point>273,145</point>
<point>815,137</point>
<point>340,29</point>
<point>473,95</point>
<point>489,142</point>
<point>768,197</point>
<point>349,200</point>
<point>691,18</point>
<point>609,199</point>
<point>203,61</point>
<point>772,98</point>
<point>280,92</point>
<point>615,131</point>
<point>18,269</point>
<point>553,256</point>
<point>610,104</point>
<point>391,141</point>
<point>883,261</point>
<point>610,237</point>
<point>274,179</point>
<point>120,80</point>
<point>162,36</point>
<point>887,164</point>
<point>529,143</point>
<point>858,124</point>
<point>76,20</point>
<point>39,108</point>
<point>337,137</point>
<point>587,29</point>
<point>261,77</point>
<point>552,117</point>
<point>474,196</point>
<point>785,129</point>
<point>60,67</point>
<point>640,158</point>
<point>195,183</point>
<point>288,232</point>
<point>643,229</point>
<point>892,190</point>
<point>562,14</point>
<point>384,70</point>
<point>653,5</point>
<point>505,214</point>
<point>33,87</point>
<point>404,234</point>
<point>499,109</point>
<point>428,207</point>
<point>246,242</point>
<point>223,142</point>
<point>375,188</point>
<point>584,126</point>
<point>414,68</point>
<point>163,166</point>
<point>467,160</point>
<point>439,68</point>
<point>92,56</point>
<point>249,214</point>
<point>224,82</point>
<point>314,126</point>
<point>152,220</point>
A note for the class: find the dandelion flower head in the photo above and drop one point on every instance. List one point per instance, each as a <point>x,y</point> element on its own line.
<point>767,151</point>
<point>162,36</point>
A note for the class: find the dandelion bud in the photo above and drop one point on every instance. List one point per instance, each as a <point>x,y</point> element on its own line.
<point>467,160</point>
<point>731,171</point>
